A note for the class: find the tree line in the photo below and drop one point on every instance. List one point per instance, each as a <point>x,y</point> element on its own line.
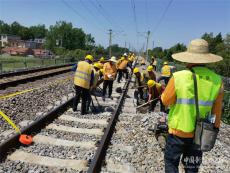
<point>217,45</point>
<point>62,38</point>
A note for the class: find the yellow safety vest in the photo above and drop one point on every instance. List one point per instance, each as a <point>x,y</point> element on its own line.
<point>95,79</point>
<point>182,115</point>
<point>166,71</point>
<point>83,74</point>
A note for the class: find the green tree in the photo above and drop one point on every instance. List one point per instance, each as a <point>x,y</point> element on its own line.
<point>66,36</point>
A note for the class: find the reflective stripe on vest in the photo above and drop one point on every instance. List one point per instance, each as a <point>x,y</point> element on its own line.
<point>182,115</point>
<point>83,75</point>
<point>192,101</point>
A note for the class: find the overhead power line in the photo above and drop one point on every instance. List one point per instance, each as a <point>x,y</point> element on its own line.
<point>100,12</point>
<point>134,14</point>
<point>81,16</point>
<point>162,16</point>
<point>146,14</point>
<point>104,11</point>
<point>74,10</point>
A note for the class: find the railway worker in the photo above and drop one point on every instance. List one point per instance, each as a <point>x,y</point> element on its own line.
<point>122,68</point>
<point>139,84</point>
<point>110,71</point>
<point>83,80</point>
<point>153,63</point>
<point>180,98</point>
<point>142,61</point>
<point>150,74</point>
<point>96,71</point>
<point>102,61</point>
<point>154,92</point>
<point>165,73</point>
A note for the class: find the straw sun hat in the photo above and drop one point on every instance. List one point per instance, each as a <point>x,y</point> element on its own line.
<point>197,53</point>
<point>113,59</point>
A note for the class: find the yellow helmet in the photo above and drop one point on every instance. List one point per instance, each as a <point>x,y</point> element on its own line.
<point>136,70</point>
<point>122,58</point>
<point>165,63</point>
<point>89,57</point>
<point>150,68</point>
<point>151,83</point>
<point>97,65</point>
<point>102,59</point>
<point>102,70</point>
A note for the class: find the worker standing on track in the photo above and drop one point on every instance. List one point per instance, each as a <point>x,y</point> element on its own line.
<point>150,74</point>
<point>83,80</point>
<point>155,90</point>
<point>139,84</point>
<point>179,95</point>
<point>110,71</point>
<point>165,73</point>
<point>153,63</point>
<point>122,68</point>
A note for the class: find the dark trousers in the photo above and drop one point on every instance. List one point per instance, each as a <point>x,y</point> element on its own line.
<point>107,84</point>
<point>164,78</point>
<point>154,103</point>
<point>175,147</point>
<point>120,74</point>
<point>81,93</point>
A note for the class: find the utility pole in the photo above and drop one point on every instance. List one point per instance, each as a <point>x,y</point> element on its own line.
<point>147,45</point>
<point>110,43</point>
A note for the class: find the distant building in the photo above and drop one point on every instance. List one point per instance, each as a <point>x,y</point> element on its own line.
<point>5,39</point>
<point>13,45</point>
<point>17,51</point>
<point>40,40</point>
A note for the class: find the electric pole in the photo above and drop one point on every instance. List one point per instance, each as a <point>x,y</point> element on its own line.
<point>110,43</point>
<point>147,45</point>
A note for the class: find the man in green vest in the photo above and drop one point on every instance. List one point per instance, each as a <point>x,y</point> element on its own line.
<point>83,80</point>
<point>179,95</point>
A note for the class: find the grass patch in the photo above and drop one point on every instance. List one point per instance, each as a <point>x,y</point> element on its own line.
<point>11,63</point>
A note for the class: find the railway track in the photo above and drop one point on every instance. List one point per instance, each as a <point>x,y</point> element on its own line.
<point>13,79</point>
<point>64,140</point>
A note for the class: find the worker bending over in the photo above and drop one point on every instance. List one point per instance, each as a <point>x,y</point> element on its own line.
<point>180,96</point>
<point>150,74</point>
<point>83,80</point>
<point>155,90</point>
<point>165,73</point>
<point>139,85</point>
<point>110,71</point>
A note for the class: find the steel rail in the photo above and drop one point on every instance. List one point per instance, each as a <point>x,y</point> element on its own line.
<point>99,157</point>
<point>9,83</point>
<point>36,126</point>
<point>27,71</point>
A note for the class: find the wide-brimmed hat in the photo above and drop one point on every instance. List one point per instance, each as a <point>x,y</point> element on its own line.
<point>197,53</point>
<point>113,59</point>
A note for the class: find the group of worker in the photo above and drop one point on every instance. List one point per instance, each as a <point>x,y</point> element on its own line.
<point>177,92</point>
<point>148,87</point>
<point>89,75</point>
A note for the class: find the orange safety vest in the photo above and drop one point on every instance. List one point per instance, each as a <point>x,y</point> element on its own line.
<point>123,64</point>
<point>109,70</point>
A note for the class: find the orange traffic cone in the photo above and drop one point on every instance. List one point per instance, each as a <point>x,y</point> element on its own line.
<point>25,139</point>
